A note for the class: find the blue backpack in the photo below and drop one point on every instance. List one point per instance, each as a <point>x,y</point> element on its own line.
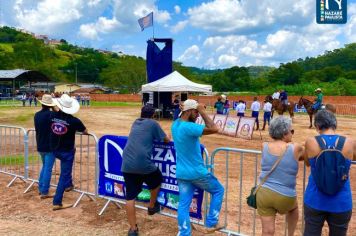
<point>331,171</point>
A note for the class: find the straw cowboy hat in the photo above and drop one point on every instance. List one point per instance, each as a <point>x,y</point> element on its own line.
<point>318,89</point>
<point>67,104</point>
<point>223,97</point>
<point>47,100</point>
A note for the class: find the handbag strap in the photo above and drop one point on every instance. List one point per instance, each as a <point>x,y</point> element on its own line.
<point>271,171</point>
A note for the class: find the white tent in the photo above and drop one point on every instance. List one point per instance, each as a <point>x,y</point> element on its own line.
<point>175,82</point>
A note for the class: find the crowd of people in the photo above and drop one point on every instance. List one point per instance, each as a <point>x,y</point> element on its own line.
<point>279,168</point>
<point>332,202</point>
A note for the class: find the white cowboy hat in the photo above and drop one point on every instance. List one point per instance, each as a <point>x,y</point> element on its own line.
<point>67,104</point>
<point>318,89</point>
<point>47,100</point>
<point>223,97</point>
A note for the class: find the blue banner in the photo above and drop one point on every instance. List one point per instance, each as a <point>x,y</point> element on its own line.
<point>112,184</point>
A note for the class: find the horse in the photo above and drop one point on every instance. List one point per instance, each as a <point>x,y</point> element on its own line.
<point>309,107</point>
<point>279,107</point>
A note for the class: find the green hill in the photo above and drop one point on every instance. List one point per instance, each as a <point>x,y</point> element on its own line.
<point>334,71</point>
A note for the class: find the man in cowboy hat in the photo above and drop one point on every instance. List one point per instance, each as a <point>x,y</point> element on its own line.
<point>318,100</point>
<point>63,128</point>
<point>43,132</point>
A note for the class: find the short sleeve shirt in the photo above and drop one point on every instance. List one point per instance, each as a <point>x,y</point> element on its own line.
<point>63,129</point>
<point>267,107</point>
<point>255,106</point>
<point>190,164</point>
<point>241,108</point>
<point>43,129</point>
<point>138,150</point>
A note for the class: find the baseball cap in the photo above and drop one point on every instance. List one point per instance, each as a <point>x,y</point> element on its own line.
<point>189,104</point>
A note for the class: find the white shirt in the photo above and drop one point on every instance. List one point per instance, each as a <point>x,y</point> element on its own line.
<point>267,107</point>
<point>255,106</point>
<point>276,95</point>
<point>240,108</point>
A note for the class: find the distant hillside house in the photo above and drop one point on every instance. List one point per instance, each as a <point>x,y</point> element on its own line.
<point>42,37</point>
<point>89,91</point>
<point>66,88</point>
<point>54,42</point>
<point>105,51</point>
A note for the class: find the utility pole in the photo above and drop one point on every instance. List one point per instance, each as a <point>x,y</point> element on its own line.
<point>76,74</point>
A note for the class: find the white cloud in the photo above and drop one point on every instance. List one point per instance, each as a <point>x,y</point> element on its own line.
<point>103,25</point>
<point>179,26</point>
<point>177,9</point>
<point>227,60</point>
<point>192,52</point>
<point>229,16</point>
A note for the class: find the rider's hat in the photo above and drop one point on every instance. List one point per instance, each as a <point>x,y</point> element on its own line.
<point>318,89</point>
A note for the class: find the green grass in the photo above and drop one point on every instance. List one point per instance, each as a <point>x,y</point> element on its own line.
<point>24,118</point>
<point>7,47</point>
<point>17,160</point>
<point>114,104</point>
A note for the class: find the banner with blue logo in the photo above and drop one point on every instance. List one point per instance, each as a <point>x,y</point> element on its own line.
<point>112,184</point>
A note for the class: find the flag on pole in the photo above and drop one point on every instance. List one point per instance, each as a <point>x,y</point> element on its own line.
<point>146,21</point>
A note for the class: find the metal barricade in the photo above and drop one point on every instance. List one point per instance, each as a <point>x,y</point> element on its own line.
<point>84,171</point>
<point>237,170</point>
<point>13,152</point>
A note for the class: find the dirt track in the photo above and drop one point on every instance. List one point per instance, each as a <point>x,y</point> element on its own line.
<point>25,214</point>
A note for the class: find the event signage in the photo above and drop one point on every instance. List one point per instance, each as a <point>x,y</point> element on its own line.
<point>331,11</point>
<point>111,181</point>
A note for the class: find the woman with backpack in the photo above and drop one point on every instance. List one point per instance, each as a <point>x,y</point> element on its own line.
<point>328,196</point>
<point>279,167</point>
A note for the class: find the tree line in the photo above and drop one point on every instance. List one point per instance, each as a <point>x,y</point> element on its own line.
<point>334,71</point>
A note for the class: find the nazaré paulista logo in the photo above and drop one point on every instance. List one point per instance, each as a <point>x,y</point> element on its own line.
<point>331,11</point>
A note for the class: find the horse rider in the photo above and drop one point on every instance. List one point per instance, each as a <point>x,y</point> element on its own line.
<point>318,100</point>
<point>276,94</point>
<point>284,98</point>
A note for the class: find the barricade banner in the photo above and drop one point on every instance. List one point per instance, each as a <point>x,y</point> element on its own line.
<point>231,125</point>
<point>219,121</point>
<point>245,128</point>
<point>111,181</point>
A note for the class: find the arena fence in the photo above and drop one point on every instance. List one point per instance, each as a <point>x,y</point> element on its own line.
<point>13,150</point>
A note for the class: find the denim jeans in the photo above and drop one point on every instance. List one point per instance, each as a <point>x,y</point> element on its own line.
<point>186,190</point>
<point>65,179</point>
<point>316,106</point>
<point>44,180</point>
<point>267,117</point>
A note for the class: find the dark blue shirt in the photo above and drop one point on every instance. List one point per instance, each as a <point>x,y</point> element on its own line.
<point>43,129</point>
<point>283,96</point>
<point>63,129</point>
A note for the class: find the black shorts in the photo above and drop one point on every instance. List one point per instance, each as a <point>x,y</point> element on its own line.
<point>134,182</point>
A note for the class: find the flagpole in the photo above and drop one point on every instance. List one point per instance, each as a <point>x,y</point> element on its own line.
<point>153,27</point>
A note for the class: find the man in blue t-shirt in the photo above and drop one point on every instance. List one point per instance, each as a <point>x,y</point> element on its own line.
<point>43,132</point>
<point>137,166</point>
<point>62,140</point>
<point>190,170</point>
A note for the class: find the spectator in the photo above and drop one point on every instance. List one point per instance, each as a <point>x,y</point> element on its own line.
<point>255,108</point>
<point>64,126</point>
<point>175,106</point>
<point>137,166</point>
<point>240,108</point>
<point>190,170</point>
<point>35,100</point>
<point>267,108</point>
<point>30,99</point>
<point>23,99</point>
<point>88,100</point>
<point>83,98</point>
<point>219,105</point>
<point>43,132</point>
<point>318,206</point>
<point>278,193</point>
<point>226,104</point>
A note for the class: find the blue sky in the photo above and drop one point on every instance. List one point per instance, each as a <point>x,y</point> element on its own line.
<point>207,34</point>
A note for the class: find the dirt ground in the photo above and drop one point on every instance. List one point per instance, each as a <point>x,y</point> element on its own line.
<point>26,214</point>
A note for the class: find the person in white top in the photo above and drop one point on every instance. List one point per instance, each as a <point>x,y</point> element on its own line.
<point>240,108</point>
<point>255,108</point>
<point>276,95</point>
<point>267,108</point>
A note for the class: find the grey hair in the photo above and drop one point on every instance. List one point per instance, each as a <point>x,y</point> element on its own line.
<point>325,120</point>
<point>279,127</point>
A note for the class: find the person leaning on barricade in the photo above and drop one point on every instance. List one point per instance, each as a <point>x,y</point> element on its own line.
<point>137,166</point>
<point>191,172</point>
<point>42,123</point>
<point>328,196</point>
<point>276,192</point>
<point>62,140</point>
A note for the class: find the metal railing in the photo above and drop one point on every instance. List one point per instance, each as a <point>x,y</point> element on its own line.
<point>84,171</point>
<point>13,152</point>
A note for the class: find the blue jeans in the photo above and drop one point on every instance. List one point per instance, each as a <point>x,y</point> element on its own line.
<point>267,117</point>
<point>316,106</point>
<point>65,179</point>
<point>44,180</point>
<point>186,190</point>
